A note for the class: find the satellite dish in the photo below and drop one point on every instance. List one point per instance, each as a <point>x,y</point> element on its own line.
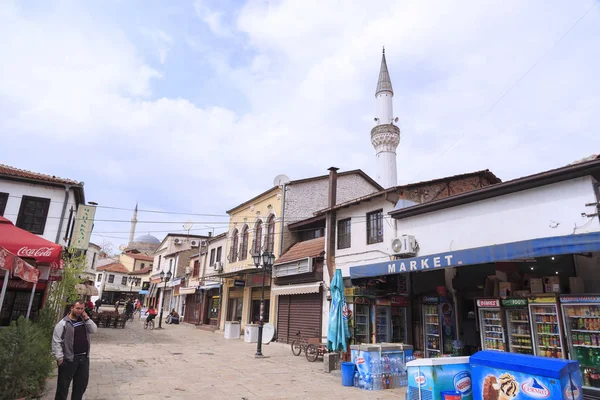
<point>187,226</point>
<point>268,333</point>
<point>122,247</point>
<point>281,179</point>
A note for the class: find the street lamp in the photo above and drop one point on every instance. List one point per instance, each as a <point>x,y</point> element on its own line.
<point>133,280</point>
<point>162,303</point>
<point>268,259</point>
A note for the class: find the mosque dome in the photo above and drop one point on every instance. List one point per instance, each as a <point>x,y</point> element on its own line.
<point>149,239</point>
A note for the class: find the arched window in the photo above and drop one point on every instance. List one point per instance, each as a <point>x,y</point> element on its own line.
<point>270,245</point>
<point>257,242</point>
<point>233,250</point>
<point>244,245</point>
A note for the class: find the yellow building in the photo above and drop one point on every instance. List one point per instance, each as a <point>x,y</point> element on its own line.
<point>254,227</point>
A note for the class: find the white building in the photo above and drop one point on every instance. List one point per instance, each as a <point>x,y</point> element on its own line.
<point>39,203</point>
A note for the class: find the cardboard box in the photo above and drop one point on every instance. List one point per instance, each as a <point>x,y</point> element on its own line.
<point>536,285</point>
<point>576,285</point>
<point>521,293</point>
<point>551,284</point>
<point>490,286</point>
<point>507,289</point>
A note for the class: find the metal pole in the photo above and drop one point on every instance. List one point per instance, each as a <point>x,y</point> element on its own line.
<point>4,286</point>
<point>31,300</point>
<point>262,308</point>
<point>162,305</point>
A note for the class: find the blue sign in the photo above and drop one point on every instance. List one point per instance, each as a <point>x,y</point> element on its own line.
<point>143,292</point>
<point>550,246</point>
<point>239,283</point>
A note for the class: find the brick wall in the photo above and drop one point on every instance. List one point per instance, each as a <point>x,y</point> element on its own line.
<point>436,191</point>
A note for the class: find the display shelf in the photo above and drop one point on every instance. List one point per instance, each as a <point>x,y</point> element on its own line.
<point>547,323</point>
<point>586,346</point>
<point>519,335</point>
<point>431,323</point>
<point>492,319</point>
<point>548,334</point>
<point>518,346</point>
<point>539,313</point>
<point>583,331</point>
<point>433,334</point>
<point>500,333</point>
<point>431,315</point>
<point>518,321</point>
<point>583,316</point>
<point>490,349</point>
<point>494,338</point>
<point>437,351</point>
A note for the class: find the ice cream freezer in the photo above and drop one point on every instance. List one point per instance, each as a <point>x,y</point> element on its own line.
<point>428,377</point>
<point>363,355</point>
<point>508,376</point>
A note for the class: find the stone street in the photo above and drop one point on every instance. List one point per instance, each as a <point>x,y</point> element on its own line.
<point>180,362</point>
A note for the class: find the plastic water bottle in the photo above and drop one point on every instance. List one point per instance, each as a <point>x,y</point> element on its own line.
<point>369,382</point>
<point>356,379</point>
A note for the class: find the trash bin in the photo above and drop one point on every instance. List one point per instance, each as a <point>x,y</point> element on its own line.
<point>251,333</point>
<point>451,395</point>
<point>347,374</point>
<point>232,330</point>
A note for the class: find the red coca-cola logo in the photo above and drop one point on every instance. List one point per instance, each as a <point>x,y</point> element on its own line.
<point>32,252</point>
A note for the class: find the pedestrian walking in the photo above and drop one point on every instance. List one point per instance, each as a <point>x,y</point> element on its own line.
<point>117,304</point>
<point>71,349</point>
<point>98,303</point>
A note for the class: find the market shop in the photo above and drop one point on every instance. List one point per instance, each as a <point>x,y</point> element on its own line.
<point>504,268</point>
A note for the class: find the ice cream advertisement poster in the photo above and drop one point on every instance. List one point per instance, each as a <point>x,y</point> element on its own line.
<point>432,380</point>
<point>496,384</point>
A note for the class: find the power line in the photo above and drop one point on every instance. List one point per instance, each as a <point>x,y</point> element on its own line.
<point>535,64</point>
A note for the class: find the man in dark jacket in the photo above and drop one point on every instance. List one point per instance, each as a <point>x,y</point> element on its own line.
<point>71,349</point>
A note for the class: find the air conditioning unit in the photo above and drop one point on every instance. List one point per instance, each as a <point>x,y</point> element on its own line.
<point>177,241</point>
<point>188,270</point>
<point>218,266</point>
<point>203,246</point>
<point>194,243</point>
<point>405,246</point>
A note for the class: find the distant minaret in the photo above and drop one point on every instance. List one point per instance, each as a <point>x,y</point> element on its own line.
<point>385,136</point>
<point>133,224</point>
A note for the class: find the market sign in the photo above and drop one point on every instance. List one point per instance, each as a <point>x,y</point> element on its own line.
<point>430,299</point>
<point>488,303</point>
<point>514,303</point>
<point>82,230</point>
<point>239,283</point>
<point>543,299</point>
<point>580,299</point>
<point>542,247</point>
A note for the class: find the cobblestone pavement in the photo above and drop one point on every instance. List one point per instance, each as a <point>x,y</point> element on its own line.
<point>180,362</point>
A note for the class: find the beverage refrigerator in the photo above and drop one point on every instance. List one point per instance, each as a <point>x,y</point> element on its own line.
<point>518,326</point>
<point>546,327</point>
<point>383,320</point>
<point>399,319</point>
<point>362,331</point>
<point>438,326</point>
<point>581,319</point>
<point>491,327</point>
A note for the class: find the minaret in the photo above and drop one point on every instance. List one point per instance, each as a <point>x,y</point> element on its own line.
<point>133,224</point>
<point>385,136</point>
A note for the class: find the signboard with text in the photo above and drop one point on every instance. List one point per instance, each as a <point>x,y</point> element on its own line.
<point>82,230</point>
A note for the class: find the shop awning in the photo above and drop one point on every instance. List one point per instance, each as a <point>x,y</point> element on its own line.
<point>187,290</point>
<point>246,271</point>
<point>296,289</point>
<point>542,247</point>
<point>27,245</point>
<point>210,286</point>
<point>92,290</point>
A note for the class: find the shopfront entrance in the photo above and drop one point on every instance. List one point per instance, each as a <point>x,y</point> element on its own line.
<point>17,298</point>
<point>193,304</point>
<point>235,304</point>
<point>299,313</point>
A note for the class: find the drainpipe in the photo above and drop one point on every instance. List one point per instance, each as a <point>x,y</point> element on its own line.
<point>332,200</point>
<point>282,219</point>
<point>62,215</point>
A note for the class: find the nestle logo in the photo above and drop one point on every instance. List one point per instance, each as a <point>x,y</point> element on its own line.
<point>535,389</point>
<point>360,360</point>
<point>420,379</point>
<point>462,382</point>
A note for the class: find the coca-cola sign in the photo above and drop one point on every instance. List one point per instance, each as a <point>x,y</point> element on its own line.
<point>33,252</point>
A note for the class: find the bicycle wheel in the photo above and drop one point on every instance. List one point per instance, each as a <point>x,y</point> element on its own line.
<point>312,353</point>
<point>131,317</point>
<point>152,325</point>
<point>296,347</point>
<point>146,325</point>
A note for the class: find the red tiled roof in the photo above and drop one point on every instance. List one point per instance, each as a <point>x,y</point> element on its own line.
<point>114,267</point>
<point>308,248</point>
<point>22,173</point>
<point>142,271</point>
<point>141,257</point>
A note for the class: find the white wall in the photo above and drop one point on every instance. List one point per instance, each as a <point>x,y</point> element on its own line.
<point>360,253</point>
<point>91,263</point>
<point>552,210</point>
<point>206,268</point>
<point>56,195</point>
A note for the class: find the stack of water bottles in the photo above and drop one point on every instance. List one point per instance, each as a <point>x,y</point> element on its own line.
<point>385,373</point>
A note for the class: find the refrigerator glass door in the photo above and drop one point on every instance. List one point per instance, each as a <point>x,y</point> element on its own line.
<point>546,330</point>
<point>582,325</point>
<point>431,324</point>
<point>519,330</point>
<point>361,324</point>
<point>492,329</point>
<point>382,321</point>
<point>399,325</point>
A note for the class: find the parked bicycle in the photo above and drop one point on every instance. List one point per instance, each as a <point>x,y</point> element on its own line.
<point>299,344</point>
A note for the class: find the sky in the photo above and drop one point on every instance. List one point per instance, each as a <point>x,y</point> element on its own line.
<point>195,106</point>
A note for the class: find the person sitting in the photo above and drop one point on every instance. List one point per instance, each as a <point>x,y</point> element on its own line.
<point>173,317</point>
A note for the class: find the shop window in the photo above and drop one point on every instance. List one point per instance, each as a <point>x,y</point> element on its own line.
<point>124,281</point>
<point>255,316</point>
<point>233,251</point>
<point>94,260</point>
<point>212,257</point>
<point>111,278</point>
<point>219,251</point>
<point>343,234</point>
<point>143,266</point>
<point>375,227</point>
<point>3,201</point>
<point>234,310</point>
<point>33,214</point>
<point>196,268</point>
<point>257,242</point>
<point>99,279</point>
<point>244,245</point>
<point>270,239</point>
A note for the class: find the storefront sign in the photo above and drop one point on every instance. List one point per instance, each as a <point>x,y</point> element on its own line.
<point>362,300</point>
<point>430,299</point>
<point>155,280</point>
<point>542,299</point>
<point>580,299</point>
<point>488,303</point>
<point>174,282</point>
<point>514,303</point>
<point>550,246</point>
<point>82,230</point>
<point>399,301</point>
<point>25,271</point>
<point>383,302</point>
<point>143,292</point>
<point>257,281</point>
<point>239,283</point>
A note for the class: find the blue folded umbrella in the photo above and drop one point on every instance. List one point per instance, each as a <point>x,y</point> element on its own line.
<point>338,332</point>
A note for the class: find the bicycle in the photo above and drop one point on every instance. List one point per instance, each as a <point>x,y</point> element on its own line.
<point>299,344</point>
<point>149,324</point>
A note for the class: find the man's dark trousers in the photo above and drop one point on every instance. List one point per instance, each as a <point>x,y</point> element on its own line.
<point>77,371</point>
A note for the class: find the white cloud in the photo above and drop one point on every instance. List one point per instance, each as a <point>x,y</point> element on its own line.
<point>213,19</point>
<point>162,41</point>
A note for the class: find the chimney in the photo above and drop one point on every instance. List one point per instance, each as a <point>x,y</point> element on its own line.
<point>209,234</point>
<point>331,224</point>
